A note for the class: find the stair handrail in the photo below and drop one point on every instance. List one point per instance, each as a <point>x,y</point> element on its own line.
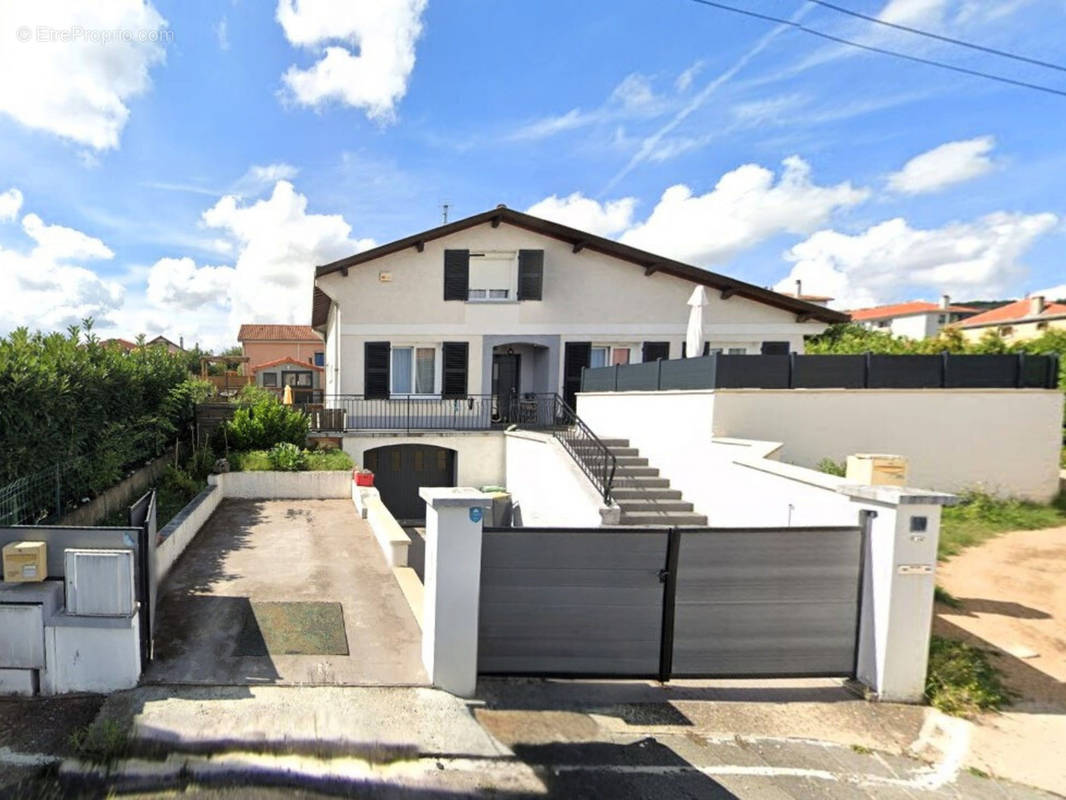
<point>601,472</point>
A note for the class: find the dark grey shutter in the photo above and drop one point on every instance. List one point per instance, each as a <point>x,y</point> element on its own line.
<point>456,274</point>
<point>775,348</point>
<point>652,351</point>
<point>376,369</point>
<point>530,274</point>
<point>576,357</point>
<point>455,369</point>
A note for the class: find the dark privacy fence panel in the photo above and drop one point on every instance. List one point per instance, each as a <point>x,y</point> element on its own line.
<point>1014,370</point>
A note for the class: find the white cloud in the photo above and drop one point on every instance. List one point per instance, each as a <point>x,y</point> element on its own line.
<point>177,283</point>
<point>586,214</point>
<point>745,207</point>
<point>10,203</point>
<point>685,79</point>
<point>384,32</point>
<point>221,29</point>
<point>633,92</point>
<point>1052,292</point>
<point>950,163</point>
<point>981,257</point>
<point>47,286</point>
<point>77,89</point>
<point>278,245</point>
<point>259,177</point>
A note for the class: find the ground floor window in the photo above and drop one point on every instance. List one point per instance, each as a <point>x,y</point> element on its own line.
<point>609,355</point>
<point>270,379</point>
<point>298,378</point>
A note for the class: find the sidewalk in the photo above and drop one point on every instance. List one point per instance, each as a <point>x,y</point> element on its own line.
<point>527,738</point>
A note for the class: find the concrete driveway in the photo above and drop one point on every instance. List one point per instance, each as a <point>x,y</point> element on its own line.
<point>275,592</point>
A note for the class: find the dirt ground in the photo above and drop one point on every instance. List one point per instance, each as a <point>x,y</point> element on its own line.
<point>1013,596</point>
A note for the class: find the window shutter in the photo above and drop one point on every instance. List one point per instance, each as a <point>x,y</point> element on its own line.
<point>653,351</point>
<point>456,274</point>
<point>455,369</point>
<point>575,358</point>
<point>376,370</point>
<point>530,274</point>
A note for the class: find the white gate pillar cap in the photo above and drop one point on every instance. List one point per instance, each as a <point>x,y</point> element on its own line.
<point>459,496</point>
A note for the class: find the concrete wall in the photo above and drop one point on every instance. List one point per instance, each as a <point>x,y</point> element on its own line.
<point>391,537</point>
<point>120,495</point>
<point>479,459</point>
<point>546,486</point>
<point>575,305</point>
<point>1004,441</point>
<point>283,485</point>
<point>177,533</point>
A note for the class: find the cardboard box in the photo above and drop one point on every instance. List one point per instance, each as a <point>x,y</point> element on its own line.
<point>25,562</point>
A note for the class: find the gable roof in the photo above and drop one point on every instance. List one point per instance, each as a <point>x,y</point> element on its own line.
<point>256,332</point>
<point>125,344</point>
<point>580,240</point>
<point>166,341</point>
<point>905,309</point>
<point>277,362</point>
<point>1012,312</point>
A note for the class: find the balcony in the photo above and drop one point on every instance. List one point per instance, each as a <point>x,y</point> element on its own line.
<point>474,412</point>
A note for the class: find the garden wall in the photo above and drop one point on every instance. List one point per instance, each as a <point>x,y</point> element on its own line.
<point>312,485</point>
<point>119,496</point>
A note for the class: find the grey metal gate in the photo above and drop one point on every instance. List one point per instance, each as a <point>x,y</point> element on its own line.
<point>571,601</point>
<point>671,602</point>
<point>767,602</point>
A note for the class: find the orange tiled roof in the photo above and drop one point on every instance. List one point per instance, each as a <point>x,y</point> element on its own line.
<point>277,333</point>
<point>287,360</point>
<point>903,309</point>
<point>1012,312</point>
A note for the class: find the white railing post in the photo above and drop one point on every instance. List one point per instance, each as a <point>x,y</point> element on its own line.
<point>452,586</point>
<point>899,574</point>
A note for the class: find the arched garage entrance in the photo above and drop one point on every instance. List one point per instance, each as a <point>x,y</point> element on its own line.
<point>400,469</point>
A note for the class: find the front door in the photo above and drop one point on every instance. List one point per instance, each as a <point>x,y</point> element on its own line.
<point>505,384</point>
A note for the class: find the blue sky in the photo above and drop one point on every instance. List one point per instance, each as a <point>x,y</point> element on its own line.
<point>190,183</point>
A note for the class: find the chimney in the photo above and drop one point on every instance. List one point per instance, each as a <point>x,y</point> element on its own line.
<point>945,301</point>
<point>1036,305</point>
<point>799,289</point>
<point>181,342</point>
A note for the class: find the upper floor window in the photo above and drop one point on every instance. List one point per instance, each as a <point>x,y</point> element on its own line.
<point>413,370</point>
<point>942,319</point>
<point>492,274</point>
<point>320,359</point>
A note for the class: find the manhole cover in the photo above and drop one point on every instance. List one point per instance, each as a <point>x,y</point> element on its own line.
<point>277,629</point>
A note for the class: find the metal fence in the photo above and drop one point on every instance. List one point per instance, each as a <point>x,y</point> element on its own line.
<point>474,412</point>
<point>869,371</point>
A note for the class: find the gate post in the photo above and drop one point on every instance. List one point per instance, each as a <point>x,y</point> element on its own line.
<point>898,576</point>
<point>452,586</point>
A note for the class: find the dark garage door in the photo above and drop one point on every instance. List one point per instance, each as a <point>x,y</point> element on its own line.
<point>400,469</point>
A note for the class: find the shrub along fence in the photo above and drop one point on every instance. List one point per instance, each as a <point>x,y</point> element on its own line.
<point>869,371</point>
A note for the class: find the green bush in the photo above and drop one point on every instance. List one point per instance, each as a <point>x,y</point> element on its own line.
<point>328,460</point>
<point>287,457</point>
<point>264,422</point>
<point>66,399</point>
<point>961,680</point>
<point>831,467</point>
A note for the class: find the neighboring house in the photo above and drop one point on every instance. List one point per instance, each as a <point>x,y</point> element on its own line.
<point>305,378</point>
<point>915,320</point>
<point>170,346</point>
<point>262,343</point>
<point>816,299</point>
<point>1018,321</point>
<point>506,304</point>
<point>120,344</point>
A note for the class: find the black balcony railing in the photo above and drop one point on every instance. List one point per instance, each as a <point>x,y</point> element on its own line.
<point>475,412</point>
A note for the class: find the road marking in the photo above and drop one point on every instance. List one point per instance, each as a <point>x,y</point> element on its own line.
<point>9,756</point>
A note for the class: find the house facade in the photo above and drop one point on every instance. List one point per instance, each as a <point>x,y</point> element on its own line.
<point>267,342</point>
<point>504,304</point>
<point>1019,321</point>
<point>914,320</point>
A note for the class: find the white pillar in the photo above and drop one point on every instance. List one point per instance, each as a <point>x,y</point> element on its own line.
<point>452,586</point>
<point>898,580</point>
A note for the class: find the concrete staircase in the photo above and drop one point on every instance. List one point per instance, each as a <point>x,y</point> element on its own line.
<point>644,497</point>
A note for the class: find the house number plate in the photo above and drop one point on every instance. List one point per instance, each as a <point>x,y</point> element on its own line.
<point>915,569</point>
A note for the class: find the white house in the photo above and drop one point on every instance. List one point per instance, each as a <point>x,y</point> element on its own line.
<point>504,303</point>
<point>915,320</point>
